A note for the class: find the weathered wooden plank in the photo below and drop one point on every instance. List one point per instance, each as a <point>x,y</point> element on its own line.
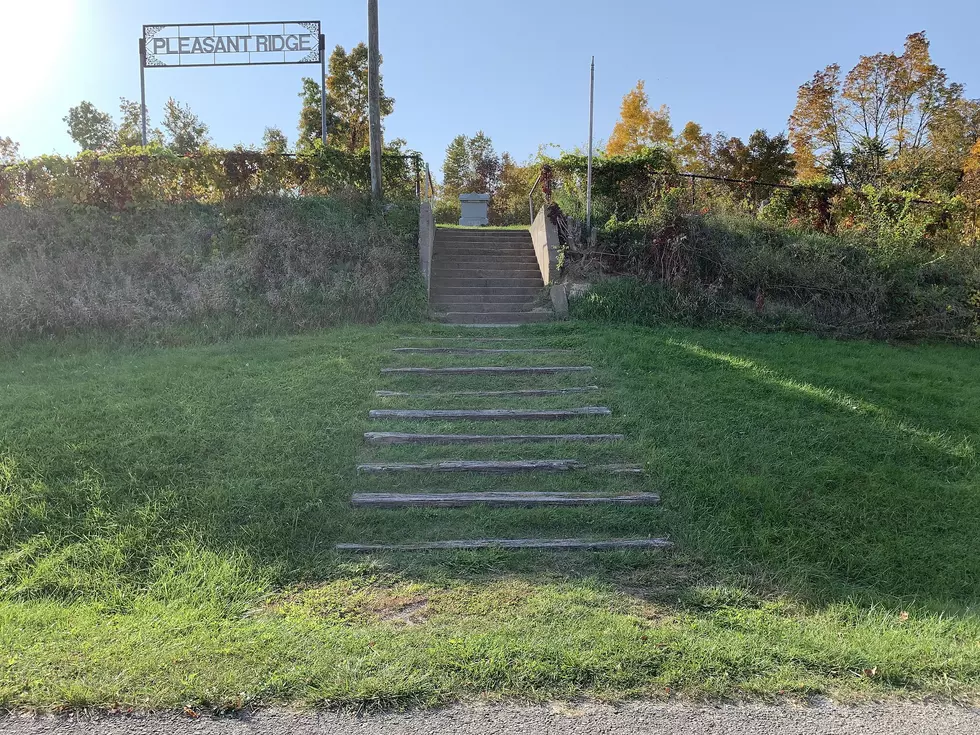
<point>496,466</point>
<point>497,499</point>
<point>490,393</point>
<point>475,351</point>
<point>468,337</point>
<point>502,467</point>
<point>386,438</point>
<point>527,543</point>
<point>489,414</point>
<point>485,370</point>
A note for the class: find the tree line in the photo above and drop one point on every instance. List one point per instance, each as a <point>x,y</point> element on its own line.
<point>894,121</point>
<point>182,132</point>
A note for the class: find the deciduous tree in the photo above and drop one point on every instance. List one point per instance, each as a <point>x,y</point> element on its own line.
<point>471,166</point>
<point>90,128</point>
<point>130,132</point>
<point>186,133</point>
<point>887,108</point>
<point>693,149</point>
<point>274,141</point>
<point>639,126</point>
<point>9,151</point>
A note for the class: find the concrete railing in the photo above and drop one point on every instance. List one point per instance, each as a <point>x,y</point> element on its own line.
<point>427,241</point>
<point>544,235</point>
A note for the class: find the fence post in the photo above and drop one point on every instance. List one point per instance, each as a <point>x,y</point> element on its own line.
<point>693,192</point>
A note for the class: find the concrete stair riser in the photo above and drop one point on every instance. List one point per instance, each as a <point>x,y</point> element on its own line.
<point>489,282</point>
<point>450,300</point>
<point>522,272</point>
<point>481,294</point>
<point>483,308</point>
<point>494,318</point>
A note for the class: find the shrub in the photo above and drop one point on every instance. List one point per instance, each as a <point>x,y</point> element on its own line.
<point>256,264</point>
<point>734,269</point>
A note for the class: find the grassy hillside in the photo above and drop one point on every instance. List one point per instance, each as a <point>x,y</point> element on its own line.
<point>167,517</point>
<point>239,267</point>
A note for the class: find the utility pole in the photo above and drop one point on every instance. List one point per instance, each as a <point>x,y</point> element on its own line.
<point>374,99</point>
<point>588,186</point>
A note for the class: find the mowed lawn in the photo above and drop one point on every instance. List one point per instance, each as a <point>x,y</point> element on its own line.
<point>168,517</point>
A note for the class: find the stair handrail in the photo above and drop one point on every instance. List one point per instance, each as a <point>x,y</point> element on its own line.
<point>430,188</point>
<point>530,195</point>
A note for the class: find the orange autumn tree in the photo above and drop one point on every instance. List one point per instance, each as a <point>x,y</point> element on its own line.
<point>858,128</point>
<point>639,127</point>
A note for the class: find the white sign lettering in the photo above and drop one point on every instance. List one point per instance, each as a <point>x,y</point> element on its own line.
<point>217,44</point>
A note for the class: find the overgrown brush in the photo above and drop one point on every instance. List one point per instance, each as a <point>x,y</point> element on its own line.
<point>256,265</point>
<point>733,268</point>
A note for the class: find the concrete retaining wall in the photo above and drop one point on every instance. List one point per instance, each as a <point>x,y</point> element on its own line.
<point>427,241</point>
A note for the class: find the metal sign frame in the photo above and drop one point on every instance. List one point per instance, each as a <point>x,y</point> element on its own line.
<point>316,55</point>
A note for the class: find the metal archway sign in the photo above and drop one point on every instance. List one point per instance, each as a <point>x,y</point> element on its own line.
<point>261,43</point>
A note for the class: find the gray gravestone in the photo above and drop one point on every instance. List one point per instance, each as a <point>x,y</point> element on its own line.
<point>474,210</point>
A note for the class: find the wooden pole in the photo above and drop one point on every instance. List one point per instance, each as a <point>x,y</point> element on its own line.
<point>374,96</point>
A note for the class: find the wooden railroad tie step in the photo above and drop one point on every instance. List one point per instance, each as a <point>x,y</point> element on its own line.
<point>489,414</point>
<point>386,438</point>
<point>484,370</point>
<point>497,499</point>
<point>490,393</point>
<point>474,351</point>
<point>467,337</point>
<point>501,467</point>
<point>524,543</point>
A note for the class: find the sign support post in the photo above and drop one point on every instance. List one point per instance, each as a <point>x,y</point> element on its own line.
<point>323,89</point>
<point>143,89</point>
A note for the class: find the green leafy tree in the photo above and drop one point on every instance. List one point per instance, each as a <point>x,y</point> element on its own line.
<point>347,93</point>
<point>471,166</point>
<point>9,151</point>
<point>90,128</point>
<point>130,132</point>
<point>763,158</point>
<point>186,133</point>
<point>310,116</point>
<point>348,125</point>
<point>509,203</point>
<point>274,141</point>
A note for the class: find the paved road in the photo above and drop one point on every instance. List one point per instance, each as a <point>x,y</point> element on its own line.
<point>632,719</point>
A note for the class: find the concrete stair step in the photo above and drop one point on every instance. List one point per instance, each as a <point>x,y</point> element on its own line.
<point>516,300</point>
<point>497,499</point>
<point>488,306</point>
<point>499,282</point>
<point>443,273</point>
<point>530,317</point>
<point>474,293</point>
<point>524,543</point>
<point>514,251</point>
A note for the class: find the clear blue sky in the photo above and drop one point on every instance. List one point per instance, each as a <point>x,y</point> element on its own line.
<point>516,69</point>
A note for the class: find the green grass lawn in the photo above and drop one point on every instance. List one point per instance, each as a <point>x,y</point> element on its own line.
<point>168,516</point>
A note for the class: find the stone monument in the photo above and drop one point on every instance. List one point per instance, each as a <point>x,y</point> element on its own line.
<point>474,210</point>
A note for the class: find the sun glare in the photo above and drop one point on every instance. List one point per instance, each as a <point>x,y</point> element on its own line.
<point>35,47</point>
